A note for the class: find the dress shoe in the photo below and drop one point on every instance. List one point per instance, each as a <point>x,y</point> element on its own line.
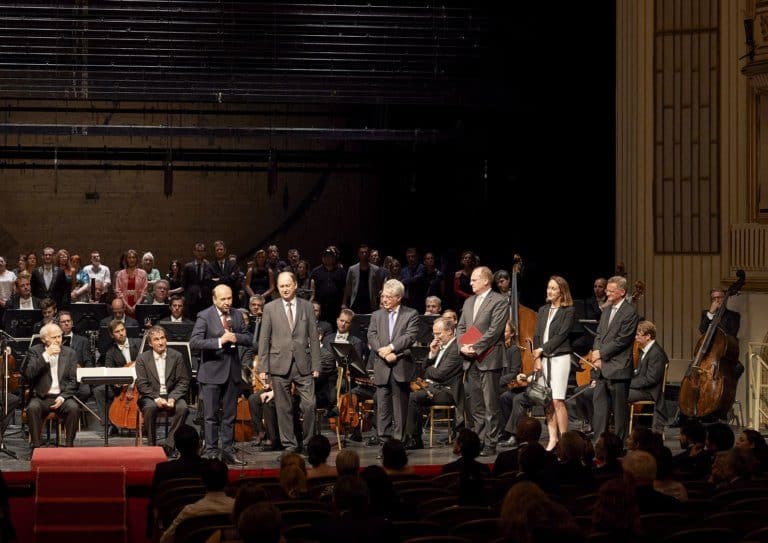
<point>231,459</point>
<point>511,441</point>
<point>210,455</point>
<point>356,435</point>
<point>414,444</point>
<point>374,441</point>
<point>113,431</point>
<point>488,451</point>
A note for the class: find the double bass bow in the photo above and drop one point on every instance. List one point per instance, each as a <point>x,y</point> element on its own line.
<point>709,384</point>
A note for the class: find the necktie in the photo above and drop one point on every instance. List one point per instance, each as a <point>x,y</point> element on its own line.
<point>613,314</point>
<point>199,271</point>
<point>67,341</point>
<point>392,315</point>
<point>290,315</point>
<point>225,322</point>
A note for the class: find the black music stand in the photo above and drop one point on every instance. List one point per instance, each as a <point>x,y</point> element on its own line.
<point>4,353</point>
<point>114,380</point>
<point>348,360</point>
<point>178,331</point>
<point>21,322</point>
<point>424,335</point>
<point>86,317</point>
<point>151,313</point>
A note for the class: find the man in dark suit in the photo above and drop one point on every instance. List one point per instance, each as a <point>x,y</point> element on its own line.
<point>81,347</point>
<point>648,377</point>
<point>612,355</point>
<point>225,271</point>
<point>443,376</point>
<point>49,281</point>
<point>730,321</point>
<point>486,312</point>
<point>23,298</point>
<point>177,312</point>
<point>118,314</point>
<point>123,352</point>
<point>391,332</point>
<point>289,353</point>
<point>51,372</point>
<point>162,378</point>
<point>217,333</point>
<point>326,382</point>
<point>196,280</point>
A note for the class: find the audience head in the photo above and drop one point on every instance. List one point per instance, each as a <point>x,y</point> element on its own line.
<point>293,480</point>
<point>528,430</point>
<point>347,463</point>
<point>291,458</point>
<point>260,523</point>
<point>692,432</point>
<point>740,463</point>
<point>351,494</point>
<point>318,450</point>
<point>452,315</point>
<point>248,493</point>
<point>608,448</point>
<point>187,440</point>
<point>532,459</point>
<point>383,496</point>
<point>467,444</point>
<point>720,437</point>
<point>752,439</point>
<point>641,465</point>
<point>570,448</point>
<point>394,455</point>
<point>644,439</point>
<point>616,511</point>
<point>215,475</point>
<point>529,516</point>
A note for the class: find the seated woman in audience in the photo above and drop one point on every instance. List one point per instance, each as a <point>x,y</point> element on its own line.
<point>571,469</point>
<point>735,469</point>
<point>394,458</point>
<point>248,494</point>
<point>293,476</point>
<point>260,523</point>
<point>353,519</point>
<point>528,515</point>
<point>318,451</point>
<point>608,449</point>
<point>347,463</point>
<point>754,441</point>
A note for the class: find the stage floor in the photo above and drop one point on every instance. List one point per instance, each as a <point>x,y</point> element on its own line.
<point>92,437</point>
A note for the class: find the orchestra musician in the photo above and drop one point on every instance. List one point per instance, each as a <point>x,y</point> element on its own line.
<point>325,387</point>
<point>442,379</point>
<point>51,372</point>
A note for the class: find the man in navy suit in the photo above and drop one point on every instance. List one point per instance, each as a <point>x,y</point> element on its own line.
<point>612,355</point>
<point>217,333</point>
<point>392,331</point>
<point>289,353</point>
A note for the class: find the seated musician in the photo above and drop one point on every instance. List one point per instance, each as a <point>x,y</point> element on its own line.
<point>441,380</point>
<point>49,309</point>
<point>81,347</point>
<point>162,378</point>
<point>51,372</point>
<point>177,311</point>
<point>508,382</point>
<point>325,386</point>
<point>122,353</point>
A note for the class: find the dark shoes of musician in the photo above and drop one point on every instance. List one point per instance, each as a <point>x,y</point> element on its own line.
<point>258,439</point>
<point>113,431</point>
<point>231,459</point>
<point>488,450</point>
<point>374,441</point>
<point>356,435</point>
<point>510,441</point>
<point>414,444</point>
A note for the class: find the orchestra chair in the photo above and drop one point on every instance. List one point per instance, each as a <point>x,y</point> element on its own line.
<point>636,409</point>
<point>163,415</point>
<point>441,413</point>
<point>48,424</point>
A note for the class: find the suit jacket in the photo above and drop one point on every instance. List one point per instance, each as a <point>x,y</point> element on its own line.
<point>83,350</point>
<point>38,372</point>
<point>218,364</point>
<point>327,355</point>
<point>491,320</point>
<point>559,329</point>
<point>228,275</point>
<point>729,323</point>
<point>177,375</point>
<point>15,302</point>
<point>650,372</point>
<point>615,341</point>
<point>404,334</point>
<point>197,290</point>
<point>450,370</point>
<point>353,282</point>
<point>114,357</point>
<point>58,291</point>
<point>279,345</point>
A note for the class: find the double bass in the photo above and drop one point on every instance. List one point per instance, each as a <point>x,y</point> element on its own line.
<point>709,384</point>
<point>524,320</point>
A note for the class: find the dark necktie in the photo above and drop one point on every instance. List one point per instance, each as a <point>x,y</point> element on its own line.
<point>225,322</point>
<point>67,341</point>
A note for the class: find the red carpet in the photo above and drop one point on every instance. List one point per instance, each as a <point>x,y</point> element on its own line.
<point>137,461</point>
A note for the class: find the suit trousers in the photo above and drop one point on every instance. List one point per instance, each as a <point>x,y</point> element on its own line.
<point>264,417</point>
<point>38,408</point>
<point>485,407</point>
<point>611,394</point>
<point>305,388</point>
<point>392,408</point>
<point>215,396</point>
<point>520,406</point>
<point>581,407</point>
<point>149,410</point>
<point>418,402</point>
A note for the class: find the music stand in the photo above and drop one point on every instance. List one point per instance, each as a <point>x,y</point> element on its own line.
<point>106,376</point>
<point>21,322</point>
<point>4,349</point>
<point>151,313</point>
<point>86,317</point>
<point>424,335</point>
<point>178,331</point>
<point>349,360</point>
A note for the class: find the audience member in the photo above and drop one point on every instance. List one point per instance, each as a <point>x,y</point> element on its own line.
<point>695,461</point>
<point>754,441</point>
<point>353,518</point>
<point>347,463</point>
<point>616,512</point>
<point>394,458</point>
<point>318,451</point>
<point>640,467</point>
<point>261,523</point>
<point>528,431</point>
<point>529,516</point>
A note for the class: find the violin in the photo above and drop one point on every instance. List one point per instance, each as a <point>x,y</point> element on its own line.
<point>349,413</point>
<point>125,407</point>
<point>14,377</point>
<point>421,384</point>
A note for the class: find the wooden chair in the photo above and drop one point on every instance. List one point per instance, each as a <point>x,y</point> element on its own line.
<point>415,496</point>
<point>161,413</point>
<point>448,414</point>
<point>636,409</point>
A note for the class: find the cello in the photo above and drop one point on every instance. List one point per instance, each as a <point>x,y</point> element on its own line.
<point>124,410</point>
<point>523,318</point>
<point>709,384</point>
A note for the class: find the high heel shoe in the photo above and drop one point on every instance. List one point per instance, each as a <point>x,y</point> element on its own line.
<point>552,448</point>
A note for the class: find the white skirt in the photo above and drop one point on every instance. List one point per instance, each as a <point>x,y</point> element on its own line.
<point>561,369</point>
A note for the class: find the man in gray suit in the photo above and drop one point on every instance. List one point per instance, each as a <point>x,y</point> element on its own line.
<point>612,355</point>
<point>289,352</point>
<point>162,378</point>
<point>217,333</point>
<point>51,372</point>
<point>485,314</point>
<point>391,333</point>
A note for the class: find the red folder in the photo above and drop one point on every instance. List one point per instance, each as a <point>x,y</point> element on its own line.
<point>472,336</point>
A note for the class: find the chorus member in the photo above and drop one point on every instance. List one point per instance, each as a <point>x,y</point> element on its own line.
<point>21,265</point>
<point>259,279</point>
<point>196,282</point>
<point>95,270</point>
<point>552,352</point>
<point>31,262</point>
<point>217,333</point>
<point>486,312</point>
<point>413,276</point>
<point>174,278</point>
<point>23,298</point>
<point>51,372</point>
<point>433,277</point>
<point>153,274</point>
<point>177,311</point>
<point>274,262</point>
<point>434,306</point>
<point>362,286</point>
<point>162,379</point>
<point>159,293</point>
<point>391,332</point>
<point>462,289</point>
<point>330,279</point>
<point>443,377</point>
<point>7,281</point>
<point>289,354</point>
<point>131,283</point>
<point>612,355</point>
<point>294,257</point>
<point>648,379</point>
<point>306,285</point>
<point>225,271</point>
<point>48,280</point>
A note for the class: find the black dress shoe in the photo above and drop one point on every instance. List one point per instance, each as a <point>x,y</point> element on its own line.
<point>356,436</point>
<point>230,458</point>
<point>488,451</point>
<point>373,441</point>
<point>414,444</point>
<point>510,442</point>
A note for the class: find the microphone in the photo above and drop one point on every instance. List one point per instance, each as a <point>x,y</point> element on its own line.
<point>228,318</point>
